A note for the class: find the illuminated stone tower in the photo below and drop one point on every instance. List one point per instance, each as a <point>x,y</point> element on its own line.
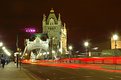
<point>63,40</point>
<point>56,32</point>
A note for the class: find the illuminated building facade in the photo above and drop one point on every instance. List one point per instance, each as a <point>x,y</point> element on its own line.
<point>116,44</point>
<point>56,32</point>
<point>107,47</point>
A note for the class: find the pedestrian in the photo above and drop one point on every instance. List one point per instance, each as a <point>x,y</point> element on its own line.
<point>2,61</point>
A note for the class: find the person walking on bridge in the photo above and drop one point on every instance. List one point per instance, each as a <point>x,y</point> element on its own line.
<point>2,61</point>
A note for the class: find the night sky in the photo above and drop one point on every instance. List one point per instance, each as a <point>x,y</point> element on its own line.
<point>93,20</point>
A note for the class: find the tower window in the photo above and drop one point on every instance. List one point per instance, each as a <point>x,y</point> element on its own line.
<point>51,22</point>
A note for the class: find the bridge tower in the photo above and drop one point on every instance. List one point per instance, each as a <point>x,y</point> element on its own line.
<point>56,31</point>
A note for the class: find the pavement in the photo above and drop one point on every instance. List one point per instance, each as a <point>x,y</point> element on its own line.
<point>11,72</point>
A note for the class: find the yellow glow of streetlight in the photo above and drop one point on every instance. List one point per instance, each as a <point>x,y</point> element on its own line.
<point>70,47</point>
<point>26,54</point>
<point>115,37</point>
<point>53,51</point>
<point>86,44</point>
<point>6,51</point>
<point>3,48</point>
<point>60,50</point>
<point>1,44</point>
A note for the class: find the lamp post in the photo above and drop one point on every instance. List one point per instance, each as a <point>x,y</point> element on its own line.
<point>53,55</point>
<point>115,38</point>
<point>51,46</point>
<point>70,49</point>
<point>60,52</point>
<point>86,44</point>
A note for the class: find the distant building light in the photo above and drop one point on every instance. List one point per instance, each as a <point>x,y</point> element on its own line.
<point>95,48</point>
<point>77,51</point>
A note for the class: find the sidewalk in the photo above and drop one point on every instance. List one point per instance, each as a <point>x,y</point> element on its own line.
<point>11,72</point>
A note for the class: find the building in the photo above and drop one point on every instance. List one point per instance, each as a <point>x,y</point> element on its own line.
<point>116,44</point>
<point>53,39</point>
<point>107,47</point>
<point>56,32</point>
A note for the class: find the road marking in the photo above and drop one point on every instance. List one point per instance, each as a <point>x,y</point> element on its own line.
<point>118,76</point>
<point>87,76</point>
<point>111,78</point>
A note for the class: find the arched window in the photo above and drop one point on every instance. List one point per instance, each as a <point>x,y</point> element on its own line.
<point>51,22</point>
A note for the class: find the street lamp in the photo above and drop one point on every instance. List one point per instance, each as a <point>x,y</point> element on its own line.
<point>51,48</point>
<point>60,50</point>
<point>115,38</point>
<point>70,49</point>
<point>1,44</point>
<point>86,44</point>
<point>53,54</point>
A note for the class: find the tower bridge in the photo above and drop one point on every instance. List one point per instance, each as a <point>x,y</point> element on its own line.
<point>55,44</point>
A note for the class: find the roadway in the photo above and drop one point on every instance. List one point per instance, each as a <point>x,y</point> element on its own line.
<point>42,72</point>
